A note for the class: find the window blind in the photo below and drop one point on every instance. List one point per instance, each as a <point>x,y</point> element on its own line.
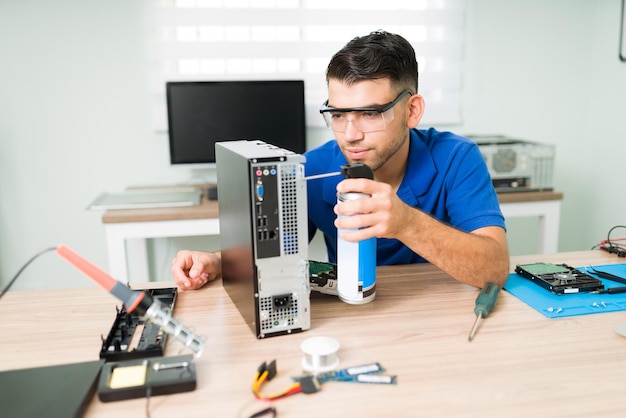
<point>217,40</point>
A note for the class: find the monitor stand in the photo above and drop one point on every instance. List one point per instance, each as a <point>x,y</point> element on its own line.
<point>212,192</point>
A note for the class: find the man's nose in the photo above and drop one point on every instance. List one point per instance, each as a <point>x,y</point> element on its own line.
<point>352,132</point>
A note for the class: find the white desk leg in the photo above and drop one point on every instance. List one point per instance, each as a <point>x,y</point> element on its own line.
<point>116,249</point>
<point>126,243</point>
<point>123,248</point>
<point>137,260</point>
<point>549,228</point>
<point>549,213</point>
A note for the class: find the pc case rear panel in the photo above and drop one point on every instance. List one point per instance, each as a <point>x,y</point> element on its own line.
<point>263,230</point>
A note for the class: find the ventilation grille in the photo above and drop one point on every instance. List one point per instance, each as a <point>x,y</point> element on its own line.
<point>289,208</point>
<point>278,317</point>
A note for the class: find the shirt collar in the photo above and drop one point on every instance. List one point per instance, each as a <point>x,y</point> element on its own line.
<point>420,169</point>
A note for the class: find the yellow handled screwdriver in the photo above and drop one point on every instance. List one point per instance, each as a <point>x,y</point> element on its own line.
<point>484,302</point>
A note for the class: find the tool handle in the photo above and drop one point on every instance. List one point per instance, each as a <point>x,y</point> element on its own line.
<point>132,298</point>
<point>615,290</point>
<point>609,276</point>
<point>90,270</point>
<point>486,299</point>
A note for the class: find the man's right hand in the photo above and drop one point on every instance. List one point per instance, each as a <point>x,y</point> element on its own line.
<point>193,269</point>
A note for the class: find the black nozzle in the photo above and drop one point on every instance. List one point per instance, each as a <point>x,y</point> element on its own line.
<point>357,170</point>
<point>138,302</point>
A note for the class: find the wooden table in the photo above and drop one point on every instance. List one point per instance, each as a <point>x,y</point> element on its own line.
<point>519,364</point>
<point>127,230</point>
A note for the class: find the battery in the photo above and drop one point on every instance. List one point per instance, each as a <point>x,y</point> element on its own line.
<point>356,263</point>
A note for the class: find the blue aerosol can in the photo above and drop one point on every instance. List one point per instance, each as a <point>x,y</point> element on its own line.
<point>356,261</point>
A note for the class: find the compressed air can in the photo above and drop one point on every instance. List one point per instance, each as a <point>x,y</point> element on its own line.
<point>356,264</point>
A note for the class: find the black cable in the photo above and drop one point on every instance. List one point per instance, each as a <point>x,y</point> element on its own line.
<point>612,246</point>
<point>148,394</point>
<point>8,286</point>
<point>271,410</point>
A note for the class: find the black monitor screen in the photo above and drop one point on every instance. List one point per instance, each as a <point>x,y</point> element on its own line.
<point>203,113</point>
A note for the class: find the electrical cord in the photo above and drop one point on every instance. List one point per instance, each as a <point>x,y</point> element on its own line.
<point>266,372</point>
<point>17,275</point>
<point>33,258</point>
<point>267,411</point>
<point>148,394</point>
<point>612,246</point>
<point>246,410</point>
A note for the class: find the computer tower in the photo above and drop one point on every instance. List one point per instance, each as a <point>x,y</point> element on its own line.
<point>264,235</point>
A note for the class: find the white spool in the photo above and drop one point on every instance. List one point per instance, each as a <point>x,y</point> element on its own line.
<point>320,354</point>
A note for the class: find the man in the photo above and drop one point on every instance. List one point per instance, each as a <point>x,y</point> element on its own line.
<point>431,197</point>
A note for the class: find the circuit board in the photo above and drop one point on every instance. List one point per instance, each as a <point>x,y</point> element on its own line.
<point>323,277</point>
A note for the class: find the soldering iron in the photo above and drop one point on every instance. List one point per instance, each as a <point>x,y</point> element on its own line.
<point>135,300</point>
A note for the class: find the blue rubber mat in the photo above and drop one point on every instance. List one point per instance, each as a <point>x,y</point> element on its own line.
<point>556,306</point>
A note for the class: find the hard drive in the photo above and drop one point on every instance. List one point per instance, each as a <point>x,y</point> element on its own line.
<point>559,278</point>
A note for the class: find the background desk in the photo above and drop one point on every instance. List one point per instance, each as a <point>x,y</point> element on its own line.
<point>127,230</point>
<point>519,364</point>
<point>545,205</point>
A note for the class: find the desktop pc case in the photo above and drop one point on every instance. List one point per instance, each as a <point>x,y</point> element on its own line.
<point>264,235</point>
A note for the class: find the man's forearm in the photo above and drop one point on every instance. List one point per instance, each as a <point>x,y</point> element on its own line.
<point>474,258</point>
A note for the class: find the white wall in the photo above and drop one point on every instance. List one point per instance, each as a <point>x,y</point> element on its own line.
<point>75,118</point>
<point>549,71</point>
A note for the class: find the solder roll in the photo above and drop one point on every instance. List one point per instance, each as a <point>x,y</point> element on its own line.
<point>320,354</point>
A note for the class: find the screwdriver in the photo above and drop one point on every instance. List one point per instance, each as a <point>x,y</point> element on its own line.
<point>484,302</point>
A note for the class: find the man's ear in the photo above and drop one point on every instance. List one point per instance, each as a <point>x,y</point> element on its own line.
<point>416,110</point>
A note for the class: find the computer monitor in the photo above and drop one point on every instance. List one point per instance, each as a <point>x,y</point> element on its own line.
<point>201,113</point>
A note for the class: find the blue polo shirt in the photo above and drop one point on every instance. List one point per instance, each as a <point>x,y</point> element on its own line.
<point>446,177</point>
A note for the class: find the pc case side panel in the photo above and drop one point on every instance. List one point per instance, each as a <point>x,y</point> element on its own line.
<point>236,229</point>
<point>281,246</point>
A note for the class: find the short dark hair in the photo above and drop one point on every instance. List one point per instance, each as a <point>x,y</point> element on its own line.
<point>377,55</point>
